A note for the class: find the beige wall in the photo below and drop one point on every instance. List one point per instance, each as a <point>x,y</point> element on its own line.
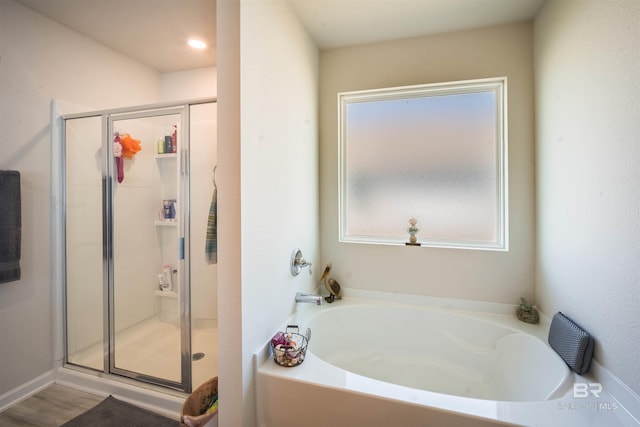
<point>468,274</point>
<point>587,65</point>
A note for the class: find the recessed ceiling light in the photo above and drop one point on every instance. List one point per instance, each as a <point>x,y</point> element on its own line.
<point>197,44</point>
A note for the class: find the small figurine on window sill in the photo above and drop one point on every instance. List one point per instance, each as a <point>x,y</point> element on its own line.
<point>412,230</point>
<point>527,313</point>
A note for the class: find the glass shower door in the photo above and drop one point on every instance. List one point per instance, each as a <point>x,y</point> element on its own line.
<point>147,292</point>
<point>85,281</point>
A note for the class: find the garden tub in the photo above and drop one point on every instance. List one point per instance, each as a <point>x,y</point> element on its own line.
<point>378,363</point>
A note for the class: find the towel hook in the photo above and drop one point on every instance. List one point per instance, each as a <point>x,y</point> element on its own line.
<point>214,176</point>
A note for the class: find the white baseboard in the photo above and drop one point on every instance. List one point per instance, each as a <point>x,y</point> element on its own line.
<point>26,390</point>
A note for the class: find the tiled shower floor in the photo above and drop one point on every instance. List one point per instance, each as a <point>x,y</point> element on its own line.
<point>152,347</point>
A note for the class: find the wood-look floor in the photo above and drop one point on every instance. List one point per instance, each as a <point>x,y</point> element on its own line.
<point>51,407</point>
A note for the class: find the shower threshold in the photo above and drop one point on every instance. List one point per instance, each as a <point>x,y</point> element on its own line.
<point>152,347</point>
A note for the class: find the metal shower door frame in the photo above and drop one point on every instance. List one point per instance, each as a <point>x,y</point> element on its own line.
<point>107,117</point>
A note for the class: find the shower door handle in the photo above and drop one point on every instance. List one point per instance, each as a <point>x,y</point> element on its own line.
<point>184,164</point>
<point>181,248</point>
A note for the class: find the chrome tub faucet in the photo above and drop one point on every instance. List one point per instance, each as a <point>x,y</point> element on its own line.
<point>309,298</point>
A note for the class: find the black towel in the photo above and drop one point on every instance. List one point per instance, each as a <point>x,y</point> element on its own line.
<point>10,226</point>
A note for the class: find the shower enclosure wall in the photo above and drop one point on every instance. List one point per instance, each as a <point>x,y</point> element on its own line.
<point>140,298</point>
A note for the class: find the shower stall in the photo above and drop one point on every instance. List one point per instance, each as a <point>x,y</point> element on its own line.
<point>138,193</point>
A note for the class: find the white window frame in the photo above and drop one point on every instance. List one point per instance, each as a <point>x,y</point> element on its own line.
<point>499,87</point>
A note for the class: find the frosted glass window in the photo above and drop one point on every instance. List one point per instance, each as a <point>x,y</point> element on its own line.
<point>433,152</point>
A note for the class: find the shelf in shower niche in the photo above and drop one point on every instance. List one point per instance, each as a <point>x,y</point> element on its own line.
<point>166,223</point>
<point>167,294</point>
<point>167,156</point>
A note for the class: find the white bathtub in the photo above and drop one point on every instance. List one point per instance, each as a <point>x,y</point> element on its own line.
<point>378,363</point>
<point>438,351</point>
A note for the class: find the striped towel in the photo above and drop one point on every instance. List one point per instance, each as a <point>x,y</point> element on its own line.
<point>211,240</point>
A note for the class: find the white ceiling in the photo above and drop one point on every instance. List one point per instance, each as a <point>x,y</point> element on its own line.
<point>154,32</point>
<point>335,23</point>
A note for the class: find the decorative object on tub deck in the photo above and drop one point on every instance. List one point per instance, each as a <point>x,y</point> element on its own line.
<point>289,348</point>
<point>10,226</point>
<point>571,342</point>
<point>527,312</point>
<point>325,273</point>
<point>124,147</point>
<point>335,291</point>
<point>413,230</point>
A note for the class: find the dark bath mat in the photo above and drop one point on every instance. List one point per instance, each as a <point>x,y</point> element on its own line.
<point>112,412</point>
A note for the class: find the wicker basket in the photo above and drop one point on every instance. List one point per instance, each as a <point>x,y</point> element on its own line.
<point>292,352</point>
<point>198,401</point>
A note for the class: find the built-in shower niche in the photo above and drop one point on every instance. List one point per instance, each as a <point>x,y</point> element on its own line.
<point>166,226</point>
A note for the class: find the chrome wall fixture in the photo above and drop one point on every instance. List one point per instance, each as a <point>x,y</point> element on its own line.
<point>298,263</point>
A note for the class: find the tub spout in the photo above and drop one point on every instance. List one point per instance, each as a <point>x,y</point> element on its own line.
<point>302,297</point>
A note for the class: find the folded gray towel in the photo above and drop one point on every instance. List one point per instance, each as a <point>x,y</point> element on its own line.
<point>571,342</point>
<point>10,226</point>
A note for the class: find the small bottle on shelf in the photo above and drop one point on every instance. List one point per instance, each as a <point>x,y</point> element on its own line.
<point>166,278</point>
<point>174,140</point>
